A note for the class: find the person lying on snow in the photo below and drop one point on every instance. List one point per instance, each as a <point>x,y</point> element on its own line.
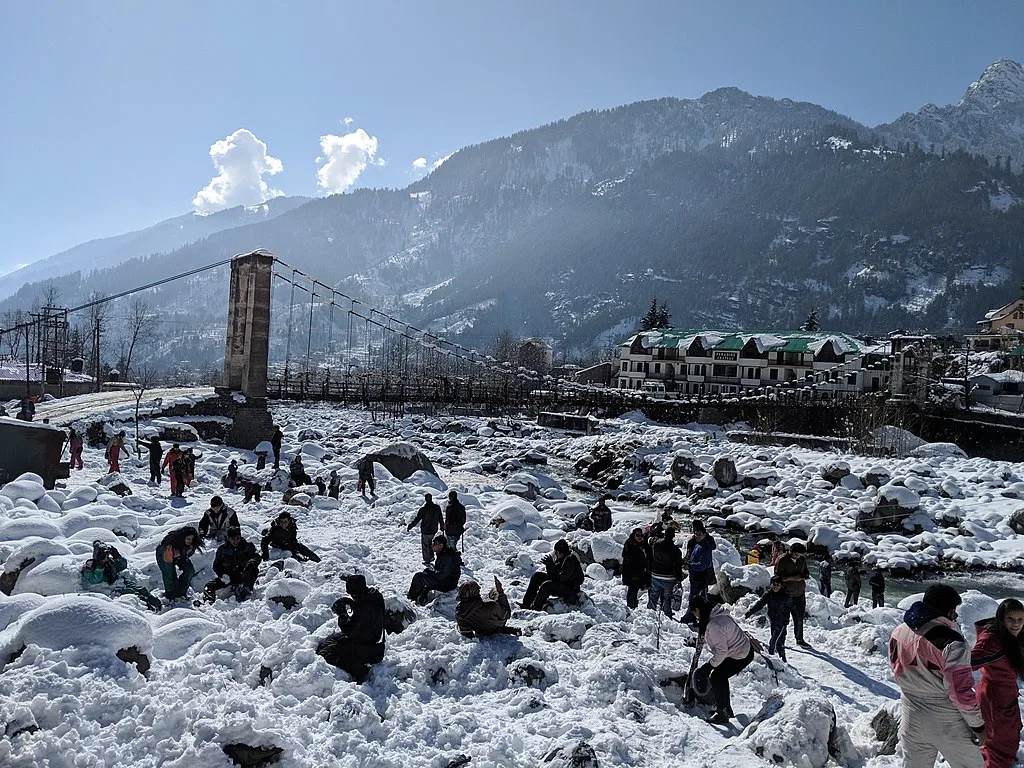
<point>442,576</point>
<point>562,577</point>
<point>107,566</point>
<point>238,562</point>
<point>477,617</point>
<point>360,641</point>
<point>282,534</point>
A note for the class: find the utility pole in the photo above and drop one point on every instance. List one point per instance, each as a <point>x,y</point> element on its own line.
<point>967,375</point>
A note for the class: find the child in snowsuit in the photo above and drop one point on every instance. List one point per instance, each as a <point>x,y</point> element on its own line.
<point>779,606</point>
<point>877,582</point>
<point>999,656</point>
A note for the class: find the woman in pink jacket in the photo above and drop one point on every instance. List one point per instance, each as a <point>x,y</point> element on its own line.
<point>731,652</point>
<point>997,653</point>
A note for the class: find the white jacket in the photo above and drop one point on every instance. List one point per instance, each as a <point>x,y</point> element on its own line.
<point>725,638</point>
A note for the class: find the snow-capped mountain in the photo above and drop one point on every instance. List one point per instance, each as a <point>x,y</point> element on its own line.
<point>734,209</point>
<point>988,120</point>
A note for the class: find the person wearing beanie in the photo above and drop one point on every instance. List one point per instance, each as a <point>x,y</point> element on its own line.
<point>562,576</point>
<point>931,663</point>
<point>360,641</point>
<point>666,571</point>
<point>792,569</point>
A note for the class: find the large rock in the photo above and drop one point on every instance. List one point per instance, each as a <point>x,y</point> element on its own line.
<point>1016,521</point>
<point>835,471</point>
<point>799,729</point>
<point>684,467</point>
<point>402,460</point>
<point>893,506</point>
<point>250,756</point>
<point>886,725</point>
<point>724,472</point>
<point>580,755</point>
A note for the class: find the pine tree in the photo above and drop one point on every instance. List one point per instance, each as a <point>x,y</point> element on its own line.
<point>650,320</point>
<point>664,319</point>
<point>811,323</point>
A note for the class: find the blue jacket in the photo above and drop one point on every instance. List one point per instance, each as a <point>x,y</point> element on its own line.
<point>698,554</point>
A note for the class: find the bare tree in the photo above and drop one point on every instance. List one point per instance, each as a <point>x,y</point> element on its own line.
<point>145,379</point>
<point>139,328</point>
<point>505,346</point>
<point>12,338</point>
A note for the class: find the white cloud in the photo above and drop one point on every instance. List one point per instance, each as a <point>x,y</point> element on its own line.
<point>242,162</point>
<point>344,158</point>
<point>419,163</point>
<point>348,121</point>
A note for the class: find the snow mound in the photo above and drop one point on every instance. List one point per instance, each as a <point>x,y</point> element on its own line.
<point>78,620</point>
<point>27,486</point>
<point>793,731</point>
<point>174,640</point>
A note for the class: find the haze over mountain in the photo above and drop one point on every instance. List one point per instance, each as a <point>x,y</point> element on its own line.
<point>735,210</point>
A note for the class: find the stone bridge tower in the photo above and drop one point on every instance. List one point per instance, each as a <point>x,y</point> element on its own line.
<point>248,347</point>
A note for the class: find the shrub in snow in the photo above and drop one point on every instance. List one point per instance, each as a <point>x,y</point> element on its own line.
<point>78,620</point>
<point>797,730</point>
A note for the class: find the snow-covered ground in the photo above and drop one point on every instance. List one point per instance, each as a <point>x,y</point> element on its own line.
<point>600,675</point>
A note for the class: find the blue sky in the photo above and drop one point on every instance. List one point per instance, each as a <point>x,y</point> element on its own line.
<point>110,109</point>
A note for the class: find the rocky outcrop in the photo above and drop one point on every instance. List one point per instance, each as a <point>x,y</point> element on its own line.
<point>724,472</point>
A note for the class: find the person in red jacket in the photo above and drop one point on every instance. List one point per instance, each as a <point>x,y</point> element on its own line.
<point>173,460</point>
<point>998,654</point>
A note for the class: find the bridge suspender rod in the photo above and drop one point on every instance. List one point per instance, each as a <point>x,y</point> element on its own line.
<point>309,337</point>
<point>288,342</point>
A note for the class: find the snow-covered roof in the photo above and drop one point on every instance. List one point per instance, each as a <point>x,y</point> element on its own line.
<point>763,340</point>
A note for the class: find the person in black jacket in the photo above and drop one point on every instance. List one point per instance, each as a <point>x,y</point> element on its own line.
<point>779,606</point>
<point>877,583</point>
<point>237,560</point>
<point>666,571</point>
<point>442,576</point>
<point>156,454</point>
<point>360,642</point>
<point>636,566</point>
<point>562,576</point>
<point>275,443</point>
<point>454,519</point>
<point>297,473</point>
<point>429,519</point>
<point>852,585</point>
<point>282,535</point>
<point>217,520</point>
<point>825,577</point>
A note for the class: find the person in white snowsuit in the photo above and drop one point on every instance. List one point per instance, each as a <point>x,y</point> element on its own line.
<point>931,662</point>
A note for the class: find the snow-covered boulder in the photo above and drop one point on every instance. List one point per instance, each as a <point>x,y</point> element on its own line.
<point>288,592</point>
<point>939,450</point>
<point>27,486</point>
<point>174,640</point>
<point>402,459</point>
<point>724,472</point>
<point>56,575</point>
<point>893,505</point>
<point>835,471</point>
<point>799,729</point>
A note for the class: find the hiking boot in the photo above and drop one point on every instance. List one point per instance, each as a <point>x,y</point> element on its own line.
<point>719,718</point>
<point>803,643</point>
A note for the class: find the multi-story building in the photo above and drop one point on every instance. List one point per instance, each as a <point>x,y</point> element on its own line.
<point>1002,328</point>
<point>681,362</point>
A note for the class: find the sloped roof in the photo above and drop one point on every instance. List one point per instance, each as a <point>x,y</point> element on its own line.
<point>734,341</point>
<point>995,314</point>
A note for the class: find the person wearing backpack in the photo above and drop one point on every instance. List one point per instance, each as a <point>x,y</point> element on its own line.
<point>779,605</point>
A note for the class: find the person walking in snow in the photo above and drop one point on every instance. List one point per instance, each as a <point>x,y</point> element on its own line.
<point>825,577</point>
<point>939,711</point>
<point>334,484</point>
<point>75,445</point>
<point>666,571</point>
<point>365,469</point>
<point>217,520</point>
<point>454,519</point>
<point>791,568</point>
<point>156,452</point>
<point>477,617</point>
<point>443,576</point>
<point>731,653</point>
<point>114,448</point>
<point>562,577</point>
<point>275,443</point>
<point>173,461</point>
<point>172,556</point>
<point>238,562</point>
<point>999,655</point>
<point>779,606</point>
<point>429,519</point>
<point>700,563</point>
<point>601,515</point>
<point>852,585</point>
<point>282,534</point>
<point>360,641</point>
<point>636,566</point>
<point>188,459</point>
<point>877,584</point>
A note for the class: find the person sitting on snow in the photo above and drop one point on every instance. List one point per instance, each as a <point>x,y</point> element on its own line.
<point>217,520</point>
<point>107,566</point>
<point>237,561</point>
<point>282,534</point>
<point>443,576</point>
<point>477,617</point>
<point>360,642</point>
<point>297,473</point>
<point>562,577</point>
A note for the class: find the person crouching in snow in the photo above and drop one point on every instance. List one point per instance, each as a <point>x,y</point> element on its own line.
<point>939,712</point>
<point>282,534</point>
<point>562,576</point>
<point>360,642</point>
<point>443,576</point>
<point>217,520</point>
<point>477,617</point>
<point>237,561</point>
<point>779,606</point>
<point>999,656</point>
<point>731,652</point>
<point>173,555</point>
